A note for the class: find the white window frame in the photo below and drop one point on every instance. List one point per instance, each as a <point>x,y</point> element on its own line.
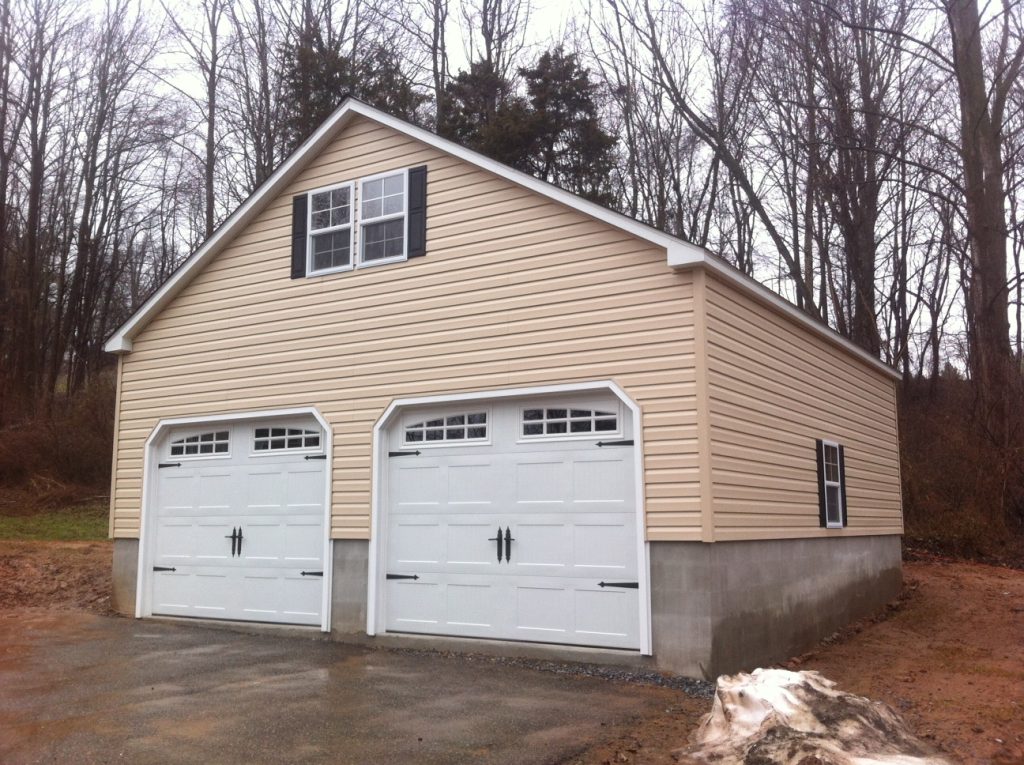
<point>414,418</point>
<point>404,216</point>
<point>826,483</point>
<point>351,225</point>
<point>594,435</point>
<point>188,433</point>
<point>286,451</point>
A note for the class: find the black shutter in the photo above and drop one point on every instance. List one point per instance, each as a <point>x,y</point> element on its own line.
<point>842,481</point>
<point>822,519</point>
<point>299,236</point>
<point>417,223</point>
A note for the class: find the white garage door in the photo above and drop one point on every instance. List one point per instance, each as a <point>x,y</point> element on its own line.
<point>239,526</point>
<point>514,520</point>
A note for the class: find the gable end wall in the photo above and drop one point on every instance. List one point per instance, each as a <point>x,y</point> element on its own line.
<point>515,291</point>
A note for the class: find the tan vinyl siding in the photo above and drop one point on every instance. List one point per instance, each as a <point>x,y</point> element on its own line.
<point>773,388</point>
<point>515,291</point>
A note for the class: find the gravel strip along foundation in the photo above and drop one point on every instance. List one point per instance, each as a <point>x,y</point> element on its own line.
<point>698,689</point>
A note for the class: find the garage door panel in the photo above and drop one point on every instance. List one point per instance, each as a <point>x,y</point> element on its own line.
<point>470,605</point>
<point>415,604</point>
<point>607,614</point>
<point>210,541</point>
<point>177,491</point>
<point>415,543</point>
<point>472,483</point>
<point>469,542</point>
<point>541,480</point>
<point>262,539</point>
<point>214,491</point>
<point>303,540</point>
<point>417,485</point>
<point>601,481</point>
<point>541,608</point>
<point>172,591</point>
<point>213,592</point>
<point>175,540</point>
<point>540,544</point>
<point>266,488</point>
<point>598,546</point>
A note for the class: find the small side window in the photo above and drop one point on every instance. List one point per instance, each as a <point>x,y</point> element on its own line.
<point>200,444</point>
<point>831,484</point>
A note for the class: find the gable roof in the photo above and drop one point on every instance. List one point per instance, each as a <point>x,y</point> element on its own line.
<point>680,253</point>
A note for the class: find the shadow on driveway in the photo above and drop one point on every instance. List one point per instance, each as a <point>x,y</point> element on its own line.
<point>77,687</point>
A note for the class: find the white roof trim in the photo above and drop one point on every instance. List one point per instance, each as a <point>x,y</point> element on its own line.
<point>680,253</point>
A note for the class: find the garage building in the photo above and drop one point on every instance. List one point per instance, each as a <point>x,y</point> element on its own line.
<point>407,390</point>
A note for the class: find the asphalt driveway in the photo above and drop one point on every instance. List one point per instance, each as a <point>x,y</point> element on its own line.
<point>77,687</point>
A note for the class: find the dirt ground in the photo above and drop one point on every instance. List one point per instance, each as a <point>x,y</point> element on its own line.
<point>58,575</point>
<point>949,656</point>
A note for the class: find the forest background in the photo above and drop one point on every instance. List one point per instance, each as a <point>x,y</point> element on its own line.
<point>863,158</point>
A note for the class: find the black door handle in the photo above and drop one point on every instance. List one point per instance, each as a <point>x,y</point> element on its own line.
<point>508,545</point>
<point>239,541</point>
<point>234,539</point>
<point>498,540</point>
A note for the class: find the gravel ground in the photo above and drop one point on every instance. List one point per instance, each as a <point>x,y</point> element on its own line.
<point>697,689</point>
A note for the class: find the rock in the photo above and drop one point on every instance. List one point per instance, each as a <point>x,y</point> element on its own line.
<point>800,718</point>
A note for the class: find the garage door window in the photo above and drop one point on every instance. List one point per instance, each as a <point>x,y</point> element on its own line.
<point>561,421</point>
<point>201,444</point>
<point>285,439</point>
<point>466,426</point>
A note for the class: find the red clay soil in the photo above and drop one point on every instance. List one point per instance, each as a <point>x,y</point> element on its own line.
<point>949,656</point>
<point>58,575</point>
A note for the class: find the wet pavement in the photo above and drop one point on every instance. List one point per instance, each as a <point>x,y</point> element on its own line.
<point>81,688</point>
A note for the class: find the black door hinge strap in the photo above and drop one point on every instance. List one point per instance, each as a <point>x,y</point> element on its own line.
<point>627,585</point>
<point>402,576</point>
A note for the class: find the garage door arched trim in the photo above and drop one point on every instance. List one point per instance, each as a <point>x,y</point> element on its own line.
<point>375,619</point>
<point>151,462</point>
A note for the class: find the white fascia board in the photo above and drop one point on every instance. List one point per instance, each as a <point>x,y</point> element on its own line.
<point>685,259</point>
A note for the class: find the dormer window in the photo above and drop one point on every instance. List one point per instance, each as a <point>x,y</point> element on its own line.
<point>382,218</point>
<point>362,222</point>
<point>330,230</point>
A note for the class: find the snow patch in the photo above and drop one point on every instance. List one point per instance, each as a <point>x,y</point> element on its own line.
<point>795,718</point>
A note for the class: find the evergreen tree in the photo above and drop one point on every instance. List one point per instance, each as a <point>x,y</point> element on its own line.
<point>569,147</point>
<point>319,76</point>
<point>484,114</point>
<point>553,133</point>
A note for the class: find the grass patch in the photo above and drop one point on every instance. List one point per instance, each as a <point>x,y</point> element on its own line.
<point>70,524</point>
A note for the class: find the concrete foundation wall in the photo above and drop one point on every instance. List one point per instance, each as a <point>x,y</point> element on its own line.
<point>731,606</point>
<point>351,560</point>
<point>125,576</point>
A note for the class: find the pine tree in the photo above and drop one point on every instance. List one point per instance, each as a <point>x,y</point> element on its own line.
<point>569,146</point>
<point>319,76</point>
